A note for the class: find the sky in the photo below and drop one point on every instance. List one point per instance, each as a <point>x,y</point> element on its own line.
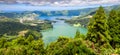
<point>60,2</point>
<point>53,4</point>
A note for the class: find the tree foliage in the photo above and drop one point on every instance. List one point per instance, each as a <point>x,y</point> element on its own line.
<point>114,28</point>
<point>66,46</point>
<point>98,29</point>
<point>21,46</point>
<point>77,34</point>
<point>103,32</point>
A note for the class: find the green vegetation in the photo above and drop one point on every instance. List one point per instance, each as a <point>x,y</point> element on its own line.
<point>67,46</point>
<point>102,32</point>
<point>103,38</point>
<point>21,46</point>
<point>114,28</point>
<point>28,45</point>
<point>83,22</point>
<point>84,19</point>
<point>97,29</point>
<point>13,26</point>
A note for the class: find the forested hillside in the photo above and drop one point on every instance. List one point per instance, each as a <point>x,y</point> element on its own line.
<point>84,19</point>
<point>11,26</point>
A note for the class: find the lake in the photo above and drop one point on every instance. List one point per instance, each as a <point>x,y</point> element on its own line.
<point>60,28</point>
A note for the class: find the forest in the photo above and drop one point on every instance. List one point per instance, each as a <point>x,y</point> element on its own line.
<point>103,38</point>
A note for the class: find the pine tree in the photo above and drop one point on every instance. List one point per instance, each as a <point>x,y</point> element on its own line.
<point>77,34</point>
<point>114,27</point>
<point>68,46</point>
<point>98,29</point>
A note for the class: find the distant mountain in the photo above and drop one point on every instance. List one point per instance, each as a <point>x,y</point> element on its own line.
<point>79,12</point>
<point>14,14</point>
<point>107,10</point>
<point>63,12</point>
<point>47,13</point>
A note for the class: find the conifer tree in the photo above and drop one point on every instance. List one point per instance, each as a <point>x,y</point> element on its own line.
<point>77,34</point>
<point>114,27</point>
<point>98,29</point>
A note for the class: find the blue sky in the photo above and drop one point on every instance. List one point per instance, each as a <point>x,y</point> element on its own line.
<point>30,5</point>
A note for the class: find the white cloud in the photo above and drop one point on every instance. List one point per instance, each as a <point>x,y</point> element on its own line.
<point>62,2</point>
<point>56,3</point>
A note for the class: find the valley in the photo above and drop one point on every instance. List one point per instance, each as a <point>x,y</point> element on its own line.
<point>69,31</point>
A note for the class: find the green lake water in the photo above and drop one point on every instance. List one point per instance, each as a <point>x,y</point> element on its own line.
<point>61,28</point>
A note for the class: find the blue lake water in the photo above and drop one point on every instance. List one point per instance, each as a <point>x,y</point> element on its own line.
<point>60,28</point>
